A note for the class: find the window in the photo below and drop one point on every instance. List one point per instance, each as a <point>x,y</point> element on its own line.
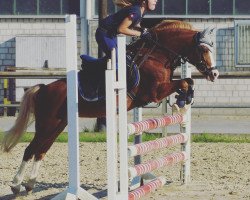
<point>39,7</point>
<point>175,7</point>
<point>50,7</point>
<point>26,7</point>
<point>164,7</point>
<point>73,7</point>
<point>242,7</point>
<point>6,7</point>
<point>242,43</point>
<point>111,7</point>
<point>195,7</point>
<point>222,7</point>
<point>198,7</point>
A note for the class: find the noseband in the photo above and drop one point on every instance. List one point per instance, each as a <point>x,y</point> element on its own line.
<point>201,66</point>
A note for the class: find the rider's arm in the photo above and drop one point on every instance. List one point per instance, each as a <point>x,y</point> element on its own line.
<point>124,28</point>
<point>138,28</point>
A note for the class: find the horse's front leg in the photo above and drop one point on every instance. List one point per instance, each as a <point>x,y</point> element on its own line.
<point>185,94</point>
<point>166,89</point>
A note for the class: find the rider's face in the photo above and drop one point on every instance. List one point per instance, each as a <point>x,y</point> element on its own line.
<point>152,4</point>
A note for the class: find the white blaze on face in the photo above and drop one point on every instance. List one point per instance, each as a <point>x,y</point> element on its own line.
<point>215,72</point>
<point>213,64</point>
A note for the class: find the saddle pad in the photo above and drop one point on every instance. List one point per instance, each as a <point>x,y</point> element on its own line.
<point>91,80</point>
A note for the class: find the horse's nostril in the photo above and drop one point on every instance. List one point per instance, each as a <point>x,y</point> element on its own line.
<point>215,74</point>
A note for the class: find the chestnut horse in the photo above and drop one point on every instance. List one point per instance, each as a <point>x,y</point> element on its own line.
<point>156,60</point>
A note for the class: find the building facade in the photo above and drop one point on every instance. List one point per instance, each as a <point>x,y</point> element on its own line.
<point>231,18</point>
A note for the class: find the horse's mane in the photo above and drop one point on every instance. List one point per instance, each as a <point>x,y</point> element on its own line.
<point>166,25</point>
<point>172,24</point>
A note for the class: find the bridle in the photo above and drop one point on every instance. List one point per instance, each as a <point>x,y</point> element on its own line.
<point>201,65</point>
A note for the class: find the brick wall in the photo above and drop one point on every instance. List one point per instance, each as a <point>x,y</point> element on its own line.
<point>12,27</point>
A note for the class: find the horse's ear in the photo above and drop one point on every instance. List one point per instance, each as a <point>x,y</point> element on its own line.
<point>206,37</point>
<point>207,31</point>
<point>212,30</point>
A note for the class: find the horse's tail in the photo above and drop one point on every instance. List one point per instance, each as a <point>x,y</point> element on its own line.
<point>27,107</point>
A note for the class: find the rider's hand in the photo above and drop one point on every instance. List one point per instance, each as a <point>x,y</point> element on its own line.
<point>145,34</point>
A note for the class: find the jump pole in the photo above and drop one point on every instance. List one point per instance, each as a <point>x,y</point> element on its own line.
<point>186,128</point>
<point>74,191</point>
<point>117,85</point>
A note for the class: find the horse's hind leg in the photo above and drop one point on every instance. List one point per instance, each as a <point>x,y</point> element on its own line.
<point>42,148</point>
<point>37,149</point>
<point>17,181</point>
<point>28,155</point>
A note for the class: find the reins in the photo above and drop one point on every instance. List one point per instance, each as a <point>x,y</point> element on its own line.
<point>164,48</point>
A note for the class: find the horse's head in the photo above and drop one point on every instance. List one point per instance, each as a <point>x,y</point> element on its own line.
<point>202,56</point>
<point>178,39</point>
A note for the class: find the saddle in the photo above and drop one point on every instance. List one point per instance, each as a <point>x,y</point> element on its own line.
<point>91,78</point>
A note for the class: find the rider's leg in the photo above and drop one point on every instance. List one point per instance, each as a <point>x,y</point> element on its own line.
<point>106,43</point>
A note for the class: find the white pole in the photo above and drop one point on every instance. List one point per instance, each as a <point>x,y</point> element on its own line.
<point>74,191</point>
<point>111,129</point>
<point>72,105</point>
<point>122,105</point>
<point>186,128</point>
<point>114,87</point>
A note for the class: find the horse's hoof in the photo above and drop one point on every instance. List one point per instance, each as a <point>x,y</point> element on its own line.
<point>15,190</point>
<point>184,110</point>
<point>28,188</point>
<point>175,109</point>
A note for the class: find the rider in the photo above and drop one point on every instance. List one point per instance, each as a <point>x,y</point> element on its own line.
<point>126,21</point>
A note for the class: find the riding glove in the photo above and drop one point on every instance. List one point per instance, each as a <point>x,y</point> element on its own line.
<point>145,34</point>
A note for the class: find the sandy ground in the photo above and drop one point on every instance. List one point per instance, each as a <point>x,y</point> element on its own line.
<point>219,171</point>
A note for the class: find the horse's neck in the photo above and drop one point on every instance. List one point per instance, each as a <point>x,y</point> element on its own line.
<point>170,45</point>
<point>176,40</point>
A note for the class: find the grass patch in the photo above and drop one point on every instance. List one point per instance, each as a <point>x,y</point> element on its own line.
<point>101,137</point>
<point>226,138</point>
